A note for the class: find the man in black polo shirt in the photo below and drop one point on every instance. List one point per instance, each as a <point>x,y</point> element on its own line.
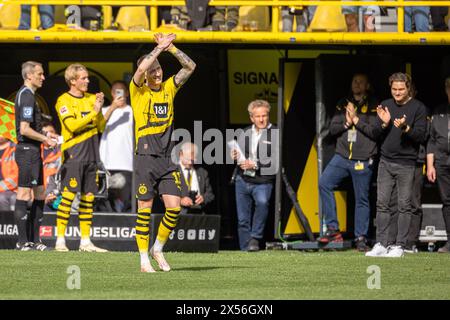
<point>28,158</point>
<point>404,123</point>
<point>438,158</point>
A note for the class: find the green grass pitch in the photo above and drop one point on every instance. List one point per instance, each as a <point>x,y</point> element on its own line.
<point>226,275</point>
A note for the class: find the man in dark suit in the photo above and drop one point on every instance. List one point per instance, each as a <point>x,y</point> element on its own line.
<point>196,191</point>
<point>256,154</point>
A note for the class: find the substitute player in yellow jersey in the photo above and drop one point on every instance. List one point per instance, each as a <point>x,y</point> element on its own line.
<point>81,120</point>
<point>152,103</point>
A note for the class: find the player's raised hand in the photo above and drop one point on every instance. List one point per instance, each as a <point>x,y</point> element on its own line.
<point>164,41</point>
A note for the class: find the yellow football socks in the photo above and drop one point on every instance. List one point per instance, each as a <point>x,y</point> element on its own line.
<point>85,214</point>
<point>168,223</point>
<point>63,212</point>
<point>143,229</point>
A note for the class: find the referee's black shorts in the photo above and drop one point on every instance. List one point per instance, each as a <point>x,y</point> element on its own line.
<point>79,176</point>
<point>29,161</point>
<point>156,173</point>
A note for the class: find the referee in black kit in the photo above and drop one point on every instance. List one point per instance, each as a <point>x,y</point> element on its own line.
<point>28,158</point>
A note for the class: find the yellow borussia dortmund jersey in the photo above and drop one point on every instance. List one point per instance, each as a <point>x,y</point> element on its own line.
<point>153,116</point>
<point>80,126</point>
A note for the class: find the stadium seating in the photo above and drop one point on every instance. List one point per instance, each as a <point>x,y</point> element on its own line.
<point>251,13</point>
<point>132,17</point>
<point>328,19</point>
<point>9,16</point>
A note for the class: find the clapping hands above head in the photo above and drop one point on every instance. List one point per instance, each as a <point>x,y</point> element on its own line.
<point>164,41</point>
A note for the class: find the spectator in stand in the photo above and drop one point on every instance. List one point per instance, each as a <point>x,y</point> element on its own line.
<point>355,127</point>
<point>195,15</point>
<point>403,120</point>
<point>438,159</point>
<point>225,18</point>
<point>9,175</point>
<point>85,17</point>
<point>46,13</point>
<point>196,191</point>
<point>116,148</point>
<point>303,16</point>
<point>438,18</point>
<point>91,17</point>
<point>420,16</point>
<point>351,14</point>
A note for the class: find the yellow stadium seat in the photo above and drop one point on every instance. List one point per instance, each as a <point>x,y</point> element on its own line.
<point>328,19</point>
<point>60,16</point>
<point>259,14</point>
<point>10,16</point>
<point>132,17</point>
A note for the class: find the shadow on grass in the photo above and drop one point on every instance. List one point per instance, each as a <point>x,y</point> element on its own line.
<point>210,268</point>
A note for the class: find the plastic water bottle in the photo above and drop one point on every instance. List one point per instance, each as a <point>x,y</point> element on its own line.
<point>57,201</point>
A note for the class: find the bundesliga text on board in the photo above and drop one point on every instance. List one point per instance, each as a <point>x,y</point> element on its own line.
<point>116,232</point>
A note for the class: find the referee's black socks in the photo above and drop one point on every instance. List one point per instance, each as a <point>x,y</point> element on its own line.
<point>37,215</point>
<point>21,217</point>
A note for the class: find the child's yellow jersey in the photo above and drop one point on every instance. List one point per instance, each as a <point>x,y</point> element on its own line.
<point>80,126</point>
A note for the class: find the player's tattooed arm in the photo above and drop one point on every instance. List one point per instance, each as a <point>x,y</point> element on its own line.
<point>145,64</point>
<point>187,64</point>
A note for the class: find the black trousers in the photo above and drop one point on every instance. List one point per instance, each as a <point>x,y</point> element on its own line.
<point>443,182</point>
<point>416,210</point>
<point>393,176</point>
<point>438,18</point>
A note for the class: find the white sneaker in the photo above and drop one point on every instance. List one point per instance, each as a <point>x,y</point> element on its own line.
<point>147,268</point>
<point>61,247</point>
<point>159,257</point>
<point>378,250</point>
<point>91,248</point>
<point>394,252</point>
<point>413,249</point>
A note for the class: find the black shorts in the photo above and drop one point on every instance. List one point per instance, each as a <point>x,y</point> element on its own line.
<point>156,173</point>
<point>79,177</point>
<point>29,161</point>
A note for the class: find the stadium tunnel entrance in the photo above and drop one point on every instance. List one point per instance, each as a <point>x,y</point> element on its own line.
<point>303,83</point>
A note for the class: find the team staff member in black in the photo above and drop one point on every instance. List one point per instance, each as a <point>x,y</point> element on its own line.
<point>404,121</point>
<point>438,158</point>
<point>356,127</point>
<point>152,103</point>
<point>28,158</point>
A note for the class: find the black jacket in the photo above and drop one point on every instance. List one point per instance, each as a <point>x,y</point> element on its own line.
<point>368,129</point>
<point>205,190</point>
<point>267,154</point>
<point>399,146</point>
<point>439,142</point>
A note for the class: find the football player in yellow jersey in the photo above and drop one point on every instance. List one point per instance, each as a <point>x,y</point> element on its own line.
<point>81,120</point>
<point>152,103</point>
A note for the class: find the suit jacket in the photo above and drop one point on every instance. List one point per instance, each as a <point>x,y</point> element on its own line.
<point>267,152</point>
<point>205,190</point>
